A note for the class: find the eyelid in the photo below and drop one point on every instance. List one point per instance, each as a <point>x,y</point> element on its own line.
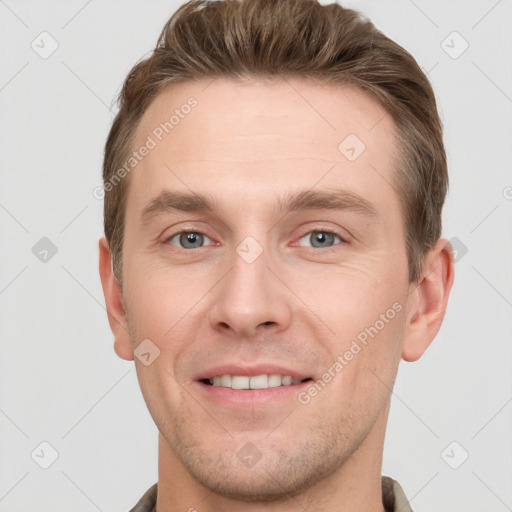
<point>326,229</point>
<point>170,237</point>
<point>185,229</point>
<point>344,239</point>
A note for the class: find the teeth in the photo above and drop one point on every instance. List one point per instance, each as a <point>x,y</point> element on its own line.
<point>256,382</point>
<point>259,382</point>
<point>274,381</point>
<point>238,382</point>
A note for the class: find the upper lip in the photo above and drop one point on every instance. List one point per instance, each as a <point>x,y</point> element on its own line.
<point>250,371</point>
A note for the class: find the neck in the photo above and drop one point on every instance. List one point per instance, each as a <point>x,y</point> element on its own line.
<point>355,485</point>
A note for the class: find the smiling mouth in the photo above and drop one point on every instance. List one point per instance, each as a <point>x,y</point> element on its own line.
<point>263,381</point>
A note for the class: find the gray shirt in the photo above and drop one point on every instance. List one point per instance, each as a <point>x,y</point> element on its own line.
<point>393,498</point>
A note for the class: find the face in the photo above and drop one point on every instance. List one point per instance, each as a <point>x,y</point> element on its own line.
<point>260,240</point>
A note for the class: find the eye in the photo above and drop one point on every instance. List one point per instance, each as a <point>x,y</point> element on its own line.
<point>188,239</point>
<point>320,238</point>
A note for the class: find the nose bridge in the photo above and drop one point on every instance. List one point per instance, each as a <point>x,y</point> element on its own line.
<point>250,295</point>
<point>249,271</point>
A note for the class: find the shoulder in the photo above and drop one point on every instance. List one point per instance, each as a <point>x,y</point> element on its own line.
<point>393,496</point>
<point>148,500</point>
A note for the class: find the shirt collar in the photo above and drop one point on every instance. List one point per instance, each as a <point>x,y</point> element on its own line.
<point>393,498</point>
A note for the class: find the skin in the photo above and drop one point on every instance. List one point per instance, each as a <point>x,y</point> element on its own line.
<point>247,145</point>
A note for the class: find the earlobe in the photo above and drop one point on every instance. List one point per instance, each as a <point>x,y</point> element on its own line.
<point>113,293</point>
<point>429,300</point>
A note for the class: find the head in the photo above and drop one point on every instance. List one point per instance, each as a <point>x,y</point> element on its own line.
<point>286,211</point>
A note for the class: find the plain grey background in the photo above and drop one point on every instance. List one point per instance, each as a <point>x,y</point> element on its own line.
<point>449,434</point>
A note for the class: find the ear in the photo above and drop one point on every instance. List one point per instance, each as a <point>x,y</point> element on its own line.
<point>114,301</point>
<point>428,300</point>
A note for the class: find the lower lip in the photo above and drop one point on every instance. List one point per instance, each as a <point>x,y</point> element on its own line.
<point>247,398</point>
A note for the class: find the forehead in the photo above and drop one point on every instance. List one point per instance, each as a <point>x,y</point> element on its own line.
<point>245,141</point>
<point>257,108</point>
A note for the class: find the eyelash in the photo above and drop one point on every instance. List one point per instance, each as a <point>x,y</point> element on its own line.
<point>324,230</point>
<point>316,230</point>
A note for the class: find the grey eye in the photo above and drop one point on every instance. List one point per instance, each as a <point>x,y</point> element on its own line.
<point>320,239</point>
<point>189,239</point>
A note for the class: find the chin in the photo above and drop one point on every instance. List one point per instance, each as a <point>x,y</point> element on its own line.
<point>264,485</point>
<point>279,474</point>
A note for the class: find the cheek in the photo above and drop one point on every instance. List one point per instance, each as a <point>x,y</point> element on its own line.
<point>158,389</point>
<point>365,317</point>
<point>349,300</point>
<point>365,371</point>
<point>165,307</point>
<point>160,298</point>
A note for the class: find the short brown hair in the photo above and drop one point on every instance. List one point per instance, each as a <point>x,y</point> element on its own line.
<point>294,38</point>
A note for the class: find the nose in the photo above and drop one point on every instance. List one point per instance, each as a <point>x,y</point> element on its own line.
<point>250,298</point>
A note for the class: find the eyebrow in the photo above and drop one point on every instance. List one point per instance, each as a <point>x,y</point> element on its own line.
<point>338,199</point>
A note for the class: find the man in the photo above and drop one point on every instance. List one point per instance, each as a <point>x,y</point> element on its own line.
<point>274,183</point>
